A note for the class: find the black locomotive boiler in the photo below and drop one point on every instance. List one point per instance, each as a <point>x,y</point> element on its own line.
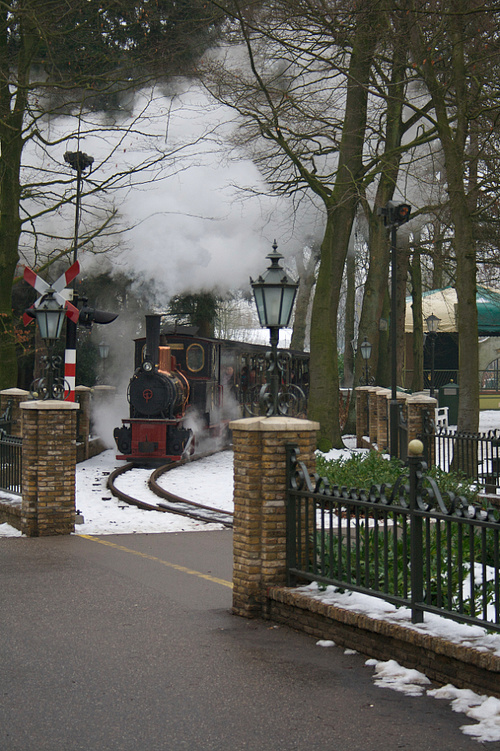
<point>185,387</point>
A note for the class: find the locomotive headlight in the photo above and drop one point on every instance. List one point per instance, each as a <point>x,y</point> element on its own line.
<point>147,366</point>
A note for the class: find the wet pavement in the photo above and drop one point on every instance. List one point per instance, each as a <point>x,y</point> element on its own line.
<point>127,643</point>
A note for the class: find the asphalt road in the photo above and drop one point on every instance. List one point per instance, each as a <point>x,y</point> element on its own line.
<point>127,643</point>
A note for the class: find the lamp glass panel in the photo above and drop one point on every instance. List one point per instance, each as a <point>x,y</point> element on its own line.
<point>261,307</point>
<point>50,322</point>
<point>287,305</point>
<point>273,304</point>
<point>432,323</point>
<point>366,349</point>
<point>103,350</point>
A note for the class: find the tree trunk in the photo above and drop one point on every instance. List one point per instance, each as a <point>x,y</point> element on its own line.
<point>341,208</point>
<point>403,256</point>
<point>350,311</point>
<point>375,290</point>
<point>454,131</point>
<point>307,275</point>
<point>378,272</point>
<point>10,227</point>
<point>12,109</point>
<point>417,381</point>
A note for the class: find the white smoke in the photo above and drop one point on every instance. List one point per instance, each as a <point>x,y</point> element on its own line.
<point>201,219</point>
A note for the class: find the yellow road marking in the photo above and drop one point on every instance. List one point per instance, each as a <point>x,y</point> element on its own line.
<point>175,566</point>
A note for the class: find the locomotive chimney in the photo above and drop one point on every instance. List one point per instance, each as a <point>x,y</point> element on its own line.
<point>153,338</point>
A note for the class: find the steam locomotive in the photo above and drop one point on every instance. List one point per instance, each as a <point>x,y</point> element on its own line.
<point>185,388</point>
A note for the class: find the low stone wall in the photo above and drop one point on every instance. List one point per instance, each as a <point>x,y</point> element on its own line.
<point>439,659</point>
<point>259,573</point>
<point>10,512</point>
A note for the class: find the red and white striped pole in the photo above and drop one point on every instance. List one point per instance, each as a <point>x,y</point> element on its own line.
<point>80,162</point>
<point>70,364</point>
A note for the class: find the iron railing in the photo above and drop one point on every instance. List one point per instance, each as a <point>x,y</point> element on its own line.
<point>11,449</point>
<point>6,417</point>
<point>407,544</point>
<point>475,455</point>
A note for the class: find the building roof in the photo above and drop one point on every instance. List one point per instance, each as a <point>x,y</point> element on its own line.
<point>442,303</point>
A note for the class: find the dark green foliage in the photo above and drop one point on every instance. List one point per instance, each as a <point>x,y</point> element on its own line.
<point>88,39</point>
<point>381,563</point>
<point>362,470</point>
<point>93,52</point>
<point>379,559</point>
<point>195,310</point>
<point>88,362</point>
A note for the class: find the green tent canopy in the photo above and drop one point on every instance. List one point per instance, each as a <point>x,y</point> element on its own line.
<point>443,304</point>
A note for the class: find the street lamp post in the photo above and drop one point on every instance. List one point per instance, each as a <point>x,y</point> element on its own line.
<point>366,350</point>
<point>103,354</point>
<point>432,322</point>
<point>50,317</point>
<point>274,294</point>
<point>80,162</point>
<point>395,214</point>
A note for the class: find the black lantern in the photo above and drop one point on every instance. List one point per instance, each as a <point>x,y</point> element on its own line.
<point>432,323</point>
<point>366,351</point>
<point>50,318</point>
<point>103,350</point>
<point>274,294</point>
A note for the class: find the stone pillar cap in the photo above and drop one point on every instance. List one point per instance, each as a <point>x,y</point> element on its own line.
<point>279,424</point>
<point>42,404</point>
<point>15,392</point>
<point>422,399</point>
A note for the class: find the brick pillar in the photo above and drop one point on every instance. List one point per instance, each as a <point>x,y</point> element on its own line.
<point>383,419</point>
<point>259,535</point>
<point>418,404</point>
<point>362,397</point>
<point>373,414</point>
<point>49,459</point>
<point>17,396</point>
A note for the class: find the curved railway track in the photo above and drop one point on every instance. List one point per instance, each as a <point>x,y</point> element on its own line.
<point>169,502</point>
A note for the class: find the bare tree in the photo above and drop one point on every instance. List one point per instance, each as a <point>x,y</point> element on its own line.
<point>456,51</point>
<point>63,58</point>
<point>300,80</point>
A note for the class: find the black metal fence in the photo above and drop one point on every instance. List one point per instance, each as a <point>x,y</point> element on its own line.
<point>11,449</point>
<point>407,544</point>
<point>475,455</point>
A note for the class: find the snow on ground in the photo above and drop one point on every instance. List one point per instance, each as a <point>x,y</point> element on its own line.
<point>210,481</point>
